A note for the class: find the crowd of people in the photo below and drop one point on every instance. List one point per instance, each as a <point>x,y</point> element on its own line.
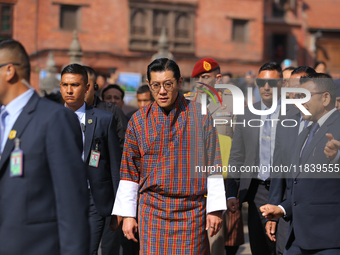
<point>82,173</point>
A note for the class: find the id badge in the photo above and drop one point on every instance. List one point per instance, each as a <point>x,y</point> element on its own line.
<point>16,168</point>
<point>94,158</point>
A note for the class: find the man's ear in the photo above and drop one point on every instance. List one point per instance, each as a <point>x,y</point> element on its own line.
<point>326,99</point>
<point>10,72</point>
<point>87,88</point>
<point>147,81</point>
<point>218,78</point>
<point>180,82</point>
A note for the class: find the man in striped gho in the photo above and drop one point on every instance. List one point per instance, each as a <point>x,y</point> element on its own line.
<point>168,146</point>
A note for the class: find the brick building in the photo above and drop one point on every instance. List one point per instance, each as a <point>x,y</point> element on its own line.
<point>123,34</point>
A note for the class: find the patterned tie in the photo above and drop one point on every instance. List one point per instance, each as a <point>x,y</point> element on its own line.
<point>3,115</point>
<point>265,155</point>
<point>312,131</point>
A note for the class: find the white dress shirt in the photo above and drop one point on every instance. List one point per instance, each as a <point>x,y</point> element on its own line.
<point>274,120</point>
<point>82,117</point>
<point>14,109</point>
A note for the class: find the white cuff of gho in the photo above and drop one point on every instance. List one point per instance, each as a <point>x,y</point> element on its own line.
<point>216,194</point>
<point>126,199</point>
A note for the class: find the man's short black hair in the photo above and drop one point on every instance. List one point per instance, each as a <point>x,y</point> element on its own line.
<point>102,75</point>
<point>272,66</point>
<point>319,63</point>
<point>163,64</point>
<point>19,55</point>
<point>289,68</point>
<point>303,69</point>
<point>113,86</point>
<point>90,71</point>
<point>143,89</point>
<point>323,82</point>
<point>76,69</point>
<point>227,74</point>
<point>112,70</point>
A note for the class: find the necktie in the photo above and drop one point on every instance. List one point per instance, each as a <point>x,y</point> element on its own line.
<point>265,155</point>
<point>3,115</point>
<point>312,131</point>
<point>82,133</point>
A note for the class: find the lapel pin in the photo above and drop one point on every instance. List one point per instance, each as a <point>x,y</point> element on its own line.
<point>12,134</point>
<point>89,121</point>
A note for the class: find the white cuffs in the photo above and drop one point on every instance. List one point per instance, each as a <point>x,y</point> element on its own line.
<point>126,199</point>
<point>283,209</point>
<point>216,194</point>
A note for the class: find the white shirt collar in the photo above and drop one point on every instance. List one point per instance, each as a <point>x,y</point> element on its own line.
<point>264,107</point>
<point>322,120</point>
<point>81,112</point>
<point>18,103</point>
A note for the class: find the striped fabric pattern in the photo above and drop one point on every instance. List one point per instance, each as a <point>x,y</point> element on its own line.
<point>161,153</point>
<point>235,234</point>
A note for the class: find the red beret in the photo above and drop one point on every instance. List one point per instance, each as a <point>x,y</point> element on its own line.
<point>205,65</point>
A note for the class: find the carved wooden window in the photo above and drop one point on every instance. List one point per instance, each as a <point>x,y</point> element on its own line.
<point>240,30</point>
<point>147,18</point>
<point>182,26</point>
<point>138,22</point>
<point>6,21</point>
<point>160,20</point>
<point>70,17</point>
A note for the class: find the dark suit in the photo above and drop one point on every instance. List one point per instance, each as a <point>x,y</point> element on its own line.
<point>112,240</point>
<point>45,210</point>
<point>245,152</point>
<point>313,205</point>
<point>104,179</point>
<point>285,140</point>
<point>119,116</point>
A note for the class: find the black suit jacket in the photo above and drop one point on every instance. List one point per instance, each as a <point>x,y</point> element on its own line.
<point>45,210</point>
<point>104,179</point>
<point>119,116</point>
<point>285,140</point>
<point>314,203</point>
<point>244,152</point>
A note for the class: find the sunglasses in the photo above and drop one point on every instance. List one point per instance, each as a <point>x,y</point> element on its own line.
<point>15,64</point>
<point>271,82</point>
<point>298,95</point>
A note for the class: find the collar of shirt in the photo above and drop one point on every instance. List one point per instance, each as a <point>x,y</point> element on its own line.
<point>81,113</point>
<point>302,123</point>
<point>325,117</point>
<point>16,105</point>
<point>273,116</point>
<point>301,117</point>
<point>14,109</point>
<point>277,110</point>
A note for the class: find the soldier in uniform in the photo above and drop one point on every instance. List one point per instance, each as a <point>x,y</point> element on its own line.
<point>207,73</point>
